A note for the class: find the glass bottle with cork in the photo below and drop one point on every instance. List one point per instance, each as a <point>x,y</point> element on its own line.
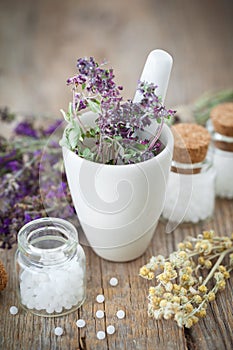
<point>190,194</point>
<point>221,127</point>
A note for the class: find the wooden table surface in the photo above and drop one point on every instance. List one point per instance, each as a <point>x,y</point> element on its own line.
<point>136,331</point>
<point>39,43</point>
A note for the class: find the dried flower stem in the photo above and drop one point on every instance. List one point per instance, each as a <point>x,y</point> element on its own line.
<point>75,115</point>
<point>157,135</point>
<point>218,262</point>
<point>180,292</point>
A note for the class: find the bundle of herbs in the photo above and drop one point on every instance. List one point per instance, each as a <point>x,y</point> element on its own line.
<point>33,183</point>
<point>119,134</point>
<point>180,291</point>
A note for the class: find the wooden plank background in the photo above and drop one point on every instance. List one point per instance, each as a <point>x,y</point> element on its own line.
<point>39,42</point>
<point>28,332</point>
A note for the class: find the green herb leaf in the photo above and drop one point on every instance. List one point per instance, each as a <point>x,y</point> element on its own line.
<point>94,106</point>
<point>64,142</point>
<point>140,147</point>
<point>70,109</point>
<point>73,138</point>
<point>92,132</point>
<point>118,138</point>
<point>87,154</point>
<point>72,134</point>
<point>66,116</point>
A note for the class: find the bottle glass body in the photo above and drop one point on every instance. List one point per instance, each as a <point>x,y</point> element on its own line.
<point>190,194</point>
<point>50,267</point>
<point>222,148</point>
<point>223,163</point>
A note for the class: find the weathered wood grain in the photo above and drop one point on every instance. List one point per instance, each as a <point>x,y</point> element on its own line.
<point>136,332</point>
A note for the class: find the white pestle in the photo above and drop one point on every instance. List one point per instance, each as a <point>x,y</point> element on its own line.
<point>157,70</point>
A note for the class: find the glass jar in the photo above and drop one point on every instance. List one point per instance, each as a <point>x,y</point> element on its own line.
<point>190,194</point>
<point>222,148</point>
<point>50,267</point>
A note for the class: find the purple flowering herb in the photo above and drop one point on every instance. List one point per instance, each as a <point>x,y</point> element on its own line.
<point>27,218</point>
<point>14,165</point>
<point>22,197</point>
<point>119,124</point>
<point>25,128</point>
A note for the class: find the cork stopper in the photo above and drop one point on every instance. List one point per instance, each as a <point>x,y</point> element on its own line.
<point>3,277</point>
<point>191,143</point>
<point>222,120</point>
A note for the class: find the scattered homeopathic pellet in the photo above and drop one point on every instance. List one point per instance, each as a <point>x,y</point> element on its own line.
<point>101,335</point>
<point>80,323</point>
<point>100,298</point>
<point>110,329</point>
<point>13,310</point>
<point>120,314</point>
<point>113,281</point>
<point>99,314</point>
<point>58,331</point>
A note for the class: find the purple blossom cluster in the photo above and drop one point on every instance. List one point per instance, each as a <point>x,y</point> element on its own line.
<point>25,128</point>
<point>118,123</point>
<point>96,81</point>
<point>31,188</point>
<point>122,120</point>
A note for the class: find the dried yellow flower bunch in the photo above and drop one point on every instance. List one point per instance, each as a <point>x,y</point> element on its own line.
<point>181,292</point>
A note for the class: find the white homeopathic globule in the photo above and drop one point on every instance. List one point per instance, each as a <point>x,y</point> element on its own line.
<point>113,281</point>
<point>110,329</point>
<point>58,331</point>
<point>13,310</point>
<point>120,314</point>
<point>101,335</point>
<point>80,323</point>
<point>100,298</point>
<point>99,314</point>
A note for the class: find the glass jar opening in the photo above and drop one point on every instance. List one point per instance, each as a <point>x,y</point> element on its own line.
<point>47,240</point>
